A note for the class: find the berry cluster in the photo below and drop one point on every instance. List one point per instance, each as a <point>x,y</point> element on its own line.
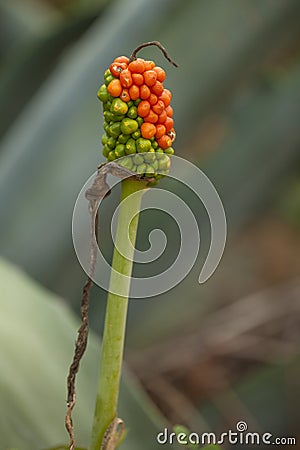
<point>137,116</point>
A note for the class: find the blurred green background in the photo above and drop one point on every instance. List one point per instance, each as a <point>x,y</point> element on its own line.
<point>204,356</point>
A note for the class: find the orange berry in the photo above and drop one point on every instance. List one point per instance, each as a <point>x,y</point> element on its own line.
<point>137,66</point>
<point>157,88</point>
<point>126,78</point>
<point>134,92</point>
<point>143,108</point>
<point>160,130</point>
<point>166,97</point>
<point>150,77</point>
<point>148,130</point>
<point>116,68</point>
<point>169,123</point>
<point>151,117</point>
<point>162,117</point>
<point>144,92</point>
<point>165,141</point>
<point>169,111</point>
<point>161,74</point>
<point>114,88</point>
<point>138,79</point>
<point>149,65</point>
<point>158,107</point>
<point>152,99</point>
<point>125,95</point>
<point>122,59</point>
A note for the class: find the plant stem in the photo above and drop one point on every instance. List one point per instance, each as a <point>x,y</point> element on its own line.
<point>115,318</point>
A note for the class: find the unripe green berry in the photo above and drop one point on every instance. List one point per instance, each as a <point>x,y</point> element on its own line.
<point>120,150</point>
<point>123,138</point>
<point>141,168</point>
<point>111,156</point>
<point>118,107</point>
<point>104,139</point>
<point>130,147</point>
<point>105,151</point>
<point>115,129</point>
<point>129,126</point>
<point>111,142</point>
<point>127,163</point>
<point>136,134</point>
<point>102,93</point>
<point>138,159</point>
<point>132,112</point>
<point>143,145</point>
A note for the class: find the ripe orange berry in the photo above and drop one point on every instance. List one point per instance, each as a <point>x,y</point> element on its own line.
<point>126,78</point>
<point>138,79</point>
<point>125,95</point>
<point>158,107</point>
<point>151,117</point>
<point>162,117</point>
<point>150,77</point>
<point>164,142</point>
<point>152,99</point>
<point>166,97</point>
<point>137,66</point>
<point>169,111</point>
<point>149,65</point>
<point>143,108</point>
<point>134,92</point>
<point>157,88</point>
<point>122,59</point>
<point>160,130</point>
<point>169,123</point>
<point>148,130</point>
<point>116,68</point>
<point>114,88</point>
<point>144,92</point>
<point>161,74</point>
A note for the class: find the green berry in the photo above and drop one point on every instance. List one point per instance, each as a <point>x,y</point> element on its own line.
<point>132,112</point>
<point>123,138</point>
<point>102,93</point>
<point>111,142</point>
<point>111,156</point>
<point>130,147</point>
<point>143,145</point>
<point>120,150</point>
<point>137,102</point>
<point>115,129</point>
<point>138,159</point>
<point>141,168</point>
<point>139,120</point>
<point>105,151</point>
<point>169,151</point>
<point>127,163</point>
<point>129,126</point>
<point>164,162</point>
<point>149,170</point>
<point>108,116</point>
<point>155,145</point>
<point>118,107</point>
<point>155,164</point>
<point>104,139</point>
<point>150,157</point>
<point>136,134</point>
<point>108,79</point>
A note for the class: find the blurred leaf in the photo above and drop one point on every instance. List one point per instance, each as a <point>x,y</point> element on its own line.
<point>36,338</point>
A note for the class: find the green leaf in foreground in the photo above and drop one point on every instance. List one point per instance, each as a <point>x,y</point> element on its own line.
<point>36,344</point>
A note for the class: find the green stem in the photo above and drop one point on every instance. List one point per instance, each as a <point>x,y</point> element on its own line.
<point>116,313</point>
